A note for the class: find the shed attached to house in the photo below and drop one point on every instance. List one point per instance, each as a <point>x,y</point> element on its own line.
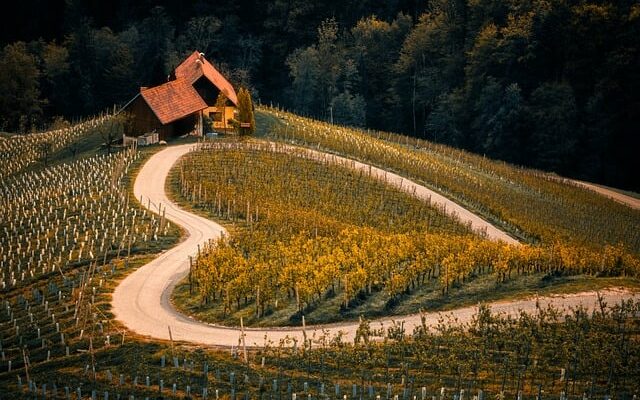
<point>171,109</point>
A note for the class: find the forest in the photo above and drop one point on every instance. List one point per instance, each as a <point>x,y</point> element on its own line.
<point>550,84</point>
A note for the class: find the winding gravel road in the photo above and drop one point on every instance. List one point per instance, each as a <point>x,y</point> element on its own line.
<point>142,300</point>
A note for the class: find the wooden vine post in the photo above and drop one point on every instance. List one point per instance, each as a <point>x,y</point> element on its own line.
<point>171,340</point>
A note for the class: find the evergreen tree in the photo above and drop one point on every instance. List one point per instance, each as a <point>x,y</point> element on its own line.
<point>157,34</point>
<point>304,70</point>
<point>19,88</point>
<point>348,109</point>
<point>56,78</point>
<point>505,137</point>
<point>553,120</point>
<point>245,123</point>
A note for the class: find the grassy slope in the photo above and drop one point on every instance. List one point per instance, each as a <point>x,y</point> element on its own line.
<point>428,298</point>
<point>86,146</point>
<point>139,357</point>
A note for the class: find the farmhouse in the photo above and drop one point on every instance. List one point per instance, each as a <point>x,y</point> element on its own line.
<point>210,85</point>
<point>198,92</point>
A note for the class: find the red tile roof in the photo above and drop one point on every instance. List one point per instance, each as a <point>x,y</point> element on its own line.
<point>195,67</point>
<point>173,100</point>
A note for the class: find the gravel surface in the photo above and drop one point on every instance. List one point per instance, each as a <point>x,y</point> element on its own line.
<point>612,194</point>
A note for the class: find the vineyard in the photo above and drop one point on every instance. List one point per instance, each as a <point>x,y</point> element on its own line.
<point>296,238</point>
<point>549,353</point>
<point>535,206</point>
<point>306,235</point>
<point>304,245</point>
<point>585,356</point>
<point>21,151</point>
<point>66,233</point>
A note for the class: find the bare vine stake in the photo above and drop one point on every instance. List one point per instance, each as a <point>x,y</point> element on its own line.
<point>93,361</point>
<point>171,339</point>
<point>304,333</point>
<point>129,246</point>
<point>190,278</point>
<point>258,302</point>
<point>26,365</point>
<point>244,345</point>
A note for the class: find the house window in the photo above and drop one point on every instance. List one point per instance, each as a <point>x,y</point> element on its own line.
<point>217,116</point>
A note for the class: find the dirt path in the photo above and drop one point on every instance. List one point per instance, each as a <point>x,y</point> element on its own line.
<point>612,194</point>
<point>141,301</point>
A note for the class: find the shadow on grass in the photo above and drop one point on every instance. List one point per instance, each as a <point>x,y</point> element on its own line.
<point>377,304</point>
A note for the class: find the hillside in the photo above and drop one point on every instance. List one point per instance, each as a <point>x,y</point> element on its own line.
<point>33,151</point>
<point>329,200</point>
<point>295,211</point>
<point>82,235</point>
<point>532,205</point>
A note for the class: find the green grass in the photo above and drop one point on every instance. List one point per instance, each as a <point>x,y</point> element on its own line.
<point>93,144</point>
<point>429,298</point>
<point>86,146</point>
<point>264,123</point>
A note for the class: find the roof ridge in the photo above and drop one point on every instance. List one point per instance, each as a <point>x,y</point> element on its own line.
<point>173,100</point>
<point>189,69</point>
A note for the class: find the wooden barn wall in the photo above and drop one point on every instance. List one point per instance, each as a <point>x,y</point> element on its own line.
<point>143,118</point>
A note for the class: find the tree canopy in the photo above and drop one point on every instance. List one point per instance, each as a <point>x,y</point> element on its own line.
<point>552,85</point>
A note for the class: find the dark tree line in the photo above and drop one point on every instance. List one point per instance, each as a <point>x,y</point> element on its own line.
<point>548,84</point>
<point>551,84</point>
